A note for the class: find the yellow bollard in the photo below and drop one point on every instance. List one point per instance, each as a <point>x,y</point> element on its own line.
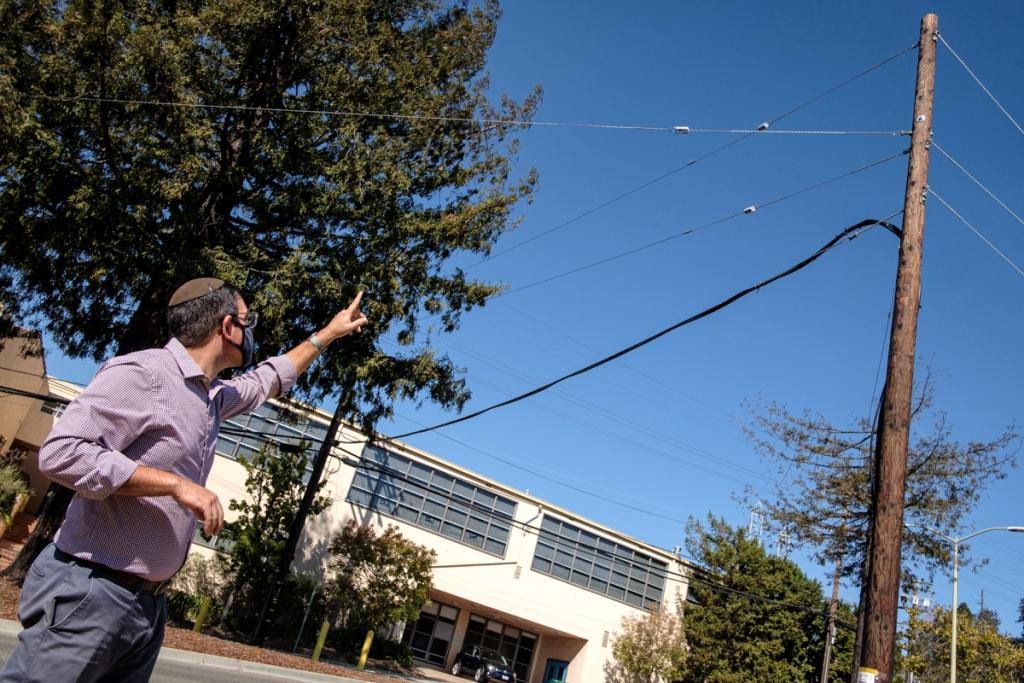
<point>204,611</point>
<point>320,640</point>
<point>366,650</point>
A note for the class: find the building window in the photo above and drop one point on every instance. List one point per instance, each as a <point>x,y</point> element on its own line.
<point>221,544</point>
<point>429,498</point>
<point>269,423</point>
<point>598,564</point>
<point>55,408</point>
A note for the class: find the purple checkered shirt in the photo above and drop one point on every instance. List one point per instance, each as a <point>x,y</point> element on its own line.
<point>153,408</point>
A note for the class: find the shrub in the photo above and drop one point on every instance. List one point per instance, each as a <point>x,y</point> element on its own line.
<point>12,485</point>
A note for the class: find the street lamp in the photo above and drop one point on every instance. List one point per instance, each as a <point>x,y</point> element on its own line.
<point>956,541</point>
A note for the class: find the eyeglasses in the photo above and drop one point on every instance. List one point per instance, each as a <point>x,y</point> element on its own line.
<point>251,318</point>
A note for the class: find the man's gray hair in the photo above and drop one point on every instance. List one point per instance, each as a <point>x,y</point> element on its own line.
<point>192,321</point>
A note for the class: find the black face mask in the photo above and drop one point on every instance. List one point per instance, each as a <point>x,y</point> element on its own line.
<point>247,347</point>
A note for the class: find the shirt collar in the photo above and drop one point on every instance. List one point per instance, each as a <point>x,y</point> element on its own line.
<point>186,364</point>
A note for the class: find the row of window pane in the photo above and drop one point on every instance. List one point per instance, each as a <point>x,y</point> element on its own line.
<point>431,499</point>
<point>599,564</point>
<point>273,423</point>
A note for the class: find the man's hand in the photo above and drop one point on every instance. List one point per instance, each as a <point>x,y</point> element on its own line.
<point>347,321</point>
<point>203,502</point>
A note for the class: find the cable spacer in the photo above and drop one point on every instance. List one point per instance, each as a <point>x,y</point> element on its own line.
<point>750,209</point>
<point>682,130</point>
<point>763,125</point>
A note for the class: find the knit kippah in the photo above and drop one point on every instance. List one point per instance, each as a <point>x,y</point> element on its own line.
<point>193,289</point>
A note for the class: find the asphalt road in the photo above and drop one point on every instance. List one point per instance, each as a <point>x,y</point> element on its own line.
<point>177,666</point>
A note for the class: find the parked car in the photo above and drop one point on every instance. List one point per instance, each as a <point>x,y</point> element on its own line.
<point>483,665</point>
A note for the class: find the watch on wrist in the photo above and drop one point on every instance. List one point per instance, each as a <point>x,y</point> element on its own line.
<point>319,345</point>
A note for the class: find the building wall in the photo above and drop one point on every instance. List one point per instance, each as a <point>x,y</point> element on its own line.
<point>24,374</point>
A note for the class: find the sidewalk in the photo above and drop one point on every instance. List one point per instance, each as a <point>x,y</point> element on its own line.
<point>12,628</point>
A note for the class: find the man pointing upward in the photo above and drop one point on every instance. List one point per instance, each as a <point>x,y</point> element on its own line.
<point>137,447</point>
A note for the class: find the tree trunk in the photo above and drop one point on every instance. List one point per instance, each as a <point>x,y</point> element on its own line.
<point>56,504</point>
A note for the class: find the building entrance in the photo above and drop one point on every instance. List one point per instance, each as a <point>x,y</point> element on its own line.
<point>430,637</point>
<point>554,672</point>
<point>515,645</point>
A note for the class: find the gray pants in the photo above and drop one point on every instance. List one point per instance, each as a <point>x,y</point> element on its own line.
<point>80,626</point>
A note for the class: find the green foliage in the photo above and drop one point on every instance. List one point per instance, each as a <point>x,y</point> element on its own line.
<point>118,202</point>
<point>983,654</point>
<point>379,579</point>
<point>823,489</point>
<point>649,649</point>
<point>736,639</point>
<point>12,485</point>
<point>274,482</point>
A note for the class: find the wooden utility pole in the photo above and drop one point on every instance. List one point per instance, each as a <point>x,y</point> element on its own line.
<point>883,582</point>
<point>830,627</point>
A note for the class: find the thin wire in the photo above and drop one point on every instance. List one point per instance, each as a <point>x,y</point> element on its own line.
<point>844,83</point>
<point>984,239</point>
<point>846,233</point>
<point>744,136</point>
<point>609,202</point>
<point>445,119</point>
<point>982,85</point>
<point>977,182</point>
<point>892,133</point>
<point>698,228</point>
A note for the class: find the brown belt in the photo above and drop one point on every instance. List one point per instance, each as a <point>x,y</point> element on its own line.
<point>132,582</point>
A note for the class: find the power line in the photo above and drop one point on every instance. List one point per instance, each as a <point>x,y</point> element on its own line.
<point>639,373</point>
<point>977,182</point>
<point>984,239</point>
<point>764,127</point>
<point>846,233</point>
<point>982,85</point>
<point>749,210</point>
<point>525,123</point>
<point>613,417</point>
<point>849,80</point>
<point>760,131</point>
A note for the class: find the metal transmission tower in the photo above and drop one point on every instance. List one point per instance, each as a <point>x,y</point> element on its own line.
<point>757,522</point>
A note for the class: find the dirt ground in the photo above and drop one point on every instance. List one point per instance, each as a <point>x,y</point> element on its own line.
<point>183,639</point>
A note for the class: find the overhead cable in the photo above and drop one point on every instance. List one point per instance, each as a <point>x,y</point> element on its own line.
<point>476,121</point>
<point>736,214</point>
<point>977,182</point>
<point>931,191</point>
<point>763,128</point>
<point>982,85</point>
<point>849,232</point>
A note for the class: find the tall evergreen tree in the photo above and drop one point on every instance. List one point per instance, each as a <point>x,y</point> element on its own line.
<point>755,618</point>
<point>298,150</point>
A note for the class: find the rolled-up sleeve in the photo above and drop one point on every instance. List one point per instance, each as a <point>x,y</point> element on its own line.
<point>273,377</point>
<point>84,450</point>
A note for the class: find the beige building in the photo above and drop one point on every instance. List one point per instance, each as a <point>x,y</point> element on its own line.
<point>543,586</point>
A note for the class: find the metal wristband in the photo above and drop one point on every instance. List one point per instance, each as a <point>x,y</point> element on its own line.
<point>319,345</point>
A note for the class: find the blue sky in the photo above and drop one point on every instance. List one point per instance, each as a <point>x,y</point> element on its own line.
<point>660,429</point>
